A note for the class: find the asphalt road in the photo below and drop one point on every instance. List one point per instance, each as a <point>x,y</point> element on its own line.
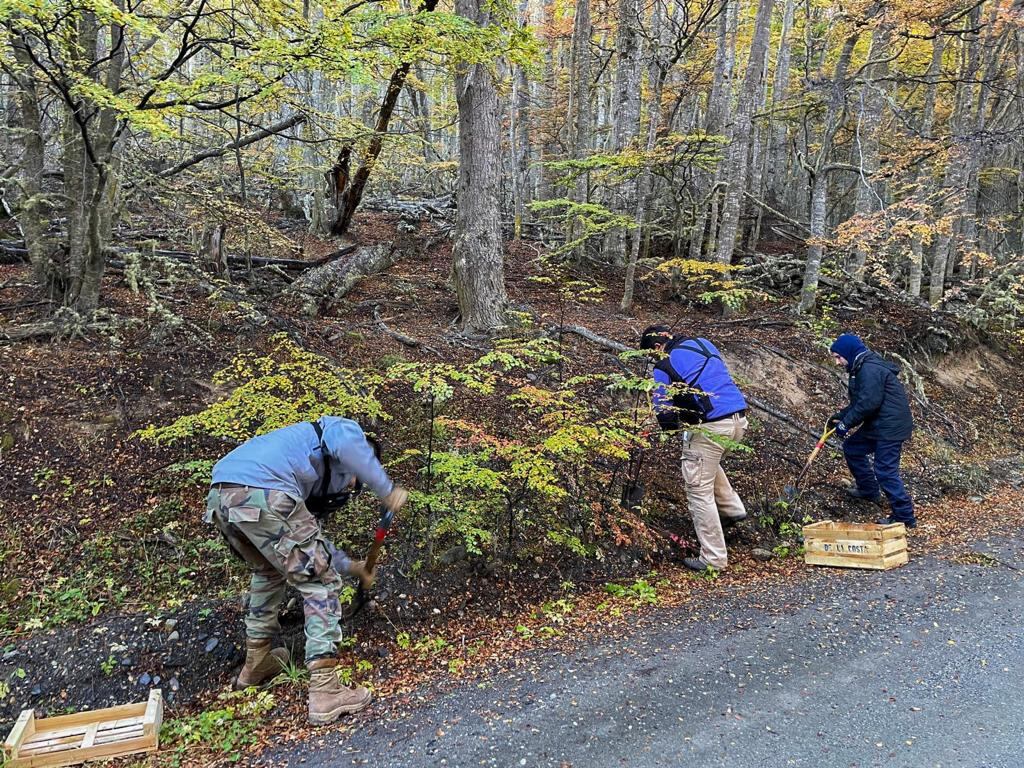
<point>921,667</point>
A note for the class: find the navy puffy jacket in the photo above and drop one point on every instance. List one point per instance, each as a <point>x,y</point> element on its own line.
<point>878,401</point>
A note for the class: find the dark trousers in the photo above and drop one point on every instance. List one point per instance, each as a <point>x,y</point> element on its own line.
<point>881,474</point>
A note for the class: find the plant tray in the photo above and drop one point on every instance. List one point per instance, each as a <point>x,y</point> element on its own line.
<point>92,735</point>
<point>856,545</point>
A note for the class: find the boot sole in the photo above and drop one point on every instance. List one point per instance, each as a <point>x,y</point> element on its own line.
<point>335,714</point>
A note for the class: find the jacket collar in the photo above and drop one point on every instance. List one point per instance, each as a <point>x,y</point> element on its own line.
<point>858,361</point>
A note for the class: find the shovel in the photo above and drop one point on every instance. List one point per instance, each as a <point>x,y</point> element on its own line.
<point>790,493</point>
<point>362,597</point>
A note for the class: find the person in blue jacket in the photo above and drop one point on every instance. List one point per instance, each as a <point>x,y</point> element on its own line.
<point>695,394</point>
<point>266,499</point>
<point>875,424</point>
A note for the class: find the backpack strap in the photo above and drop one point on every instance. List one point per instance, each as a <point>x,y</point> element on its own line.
<point>701,349</point>
<point>326,484</point>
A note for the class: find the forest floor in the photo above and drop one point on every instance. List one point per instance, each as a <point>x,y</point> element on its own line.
<point>111,584</point>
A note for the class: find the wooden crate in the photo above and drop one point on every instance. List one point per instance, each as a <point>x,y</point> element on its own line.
<point>83,736</point>
<point>856,545</point>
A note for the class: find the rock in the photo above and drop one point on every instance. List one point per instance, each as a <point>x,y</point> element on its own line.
<point>145,679</point>
<point>170,624</point>
<point>762,555</point>
<point>127,661</point>
<point>156,680</point>
<point>173,684</point>
<point>211,644</point>
<point>173,637</point>
<point>383,652</point>
<point>454,555</point>
<point>36,690</point>
<point>10,655</point>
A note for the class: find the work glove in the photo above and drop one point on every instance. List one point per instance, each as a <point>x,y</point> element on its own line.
<point>396,499</point>
<point>842,430</point>
<point>358,569</point>
<point>835,420</point>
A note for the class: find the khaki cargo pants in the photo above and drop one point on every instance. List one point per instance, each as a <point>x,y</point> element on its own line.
<point>708,492</point>
<point>283,544</point>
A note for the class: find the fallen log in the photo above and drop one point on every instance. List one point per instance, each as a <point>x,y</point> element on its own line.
<point>438,207</point>
<point>408,341</point>
<point>12,252</point>
<point>333,281</point>
<point>589,335</point>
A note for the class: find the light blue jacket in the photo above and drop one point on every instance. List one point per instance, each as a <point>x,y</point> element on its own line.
<point>289,459</point>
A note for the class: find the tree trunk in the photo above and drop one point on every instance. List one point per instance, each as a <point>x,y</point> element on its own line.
<point>582,100</point>
<point>777,156</point>
<point>958,169</point>
<point>350,197</point>
<point>816,248</point>
<point>628,74</point>
<point>657,73</point>
<point>915,271</point>
<point>33,209</point>
<point>478,254</point>
<point>742,131</point>
<point>212,251</point>
<point>873,97</point>
<point>520,147</point>
<point>819,172</point>
<point>719,101</point>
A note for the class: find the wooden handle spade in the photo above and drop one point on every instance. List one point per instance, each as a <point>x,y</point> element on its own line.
<point>791,492</point>
<point>362,597</point>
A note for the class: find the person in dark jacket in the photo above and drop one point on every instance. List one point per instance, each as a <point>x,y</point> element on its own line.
<point>880,414</point>
<point>693,387</point>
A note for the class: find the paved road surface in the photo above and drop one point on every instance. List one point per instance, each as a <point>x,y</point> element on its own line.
<point>922,667</point>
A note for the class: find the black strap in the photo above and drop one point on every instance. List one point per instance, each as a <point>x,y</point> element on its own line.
<point>700,349</point>
<point>326,485</point>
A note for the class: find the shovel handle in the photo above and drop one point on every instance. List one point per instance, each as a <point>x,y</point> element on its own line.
<point>387,517</point>
<point>814,454</point>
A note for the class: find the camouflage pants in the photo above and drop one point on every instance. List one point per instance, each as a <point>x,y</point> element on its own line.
<point>283,544</point>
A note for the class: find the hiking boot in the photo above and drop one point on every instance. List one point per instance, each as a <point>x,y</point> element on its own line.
<point>912,523</point>
<point>696,564</point>
<point>261,664</point>
<point>855,493</point>
<point>328,698</point>
<point>729,522</point>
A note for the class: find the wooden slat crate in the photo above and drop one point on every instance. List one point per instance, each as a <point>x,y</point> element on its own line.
<point>856,545</point>
<point>83,736</point>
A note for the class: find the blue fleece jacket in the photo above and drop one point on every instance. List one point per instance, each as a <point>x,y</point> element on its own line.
<point>289,459</point>
<point>686,364</point>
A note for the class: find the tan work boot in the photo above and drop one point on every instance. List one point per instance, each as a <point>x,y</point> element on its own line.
<point>328,698</point>
<point>261,664</point>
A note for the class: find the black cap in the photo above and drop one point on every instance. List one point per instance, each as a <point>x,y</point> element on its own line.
<point>654,335</point>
